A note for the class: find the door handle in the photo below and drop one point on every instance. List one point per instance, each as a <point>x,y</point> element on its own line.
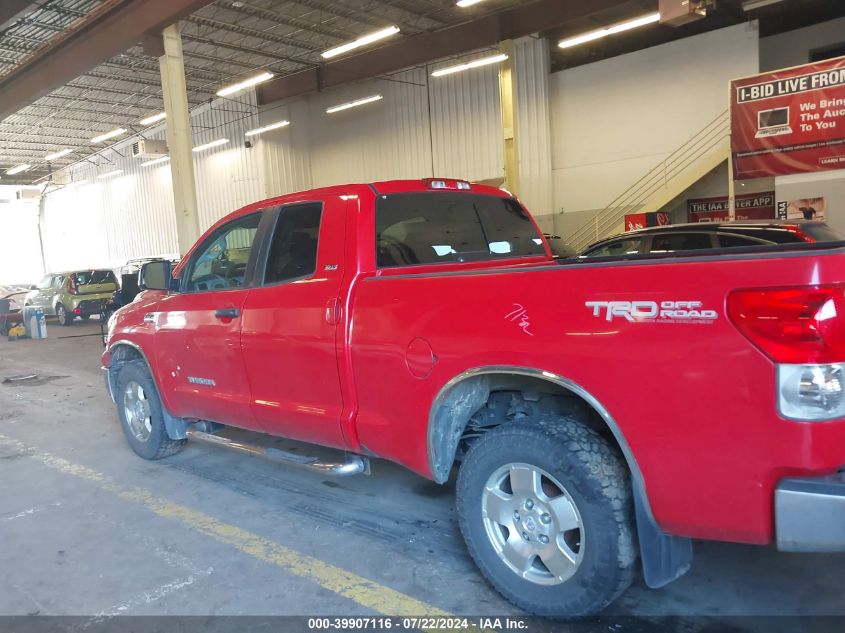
<point>227,313</point>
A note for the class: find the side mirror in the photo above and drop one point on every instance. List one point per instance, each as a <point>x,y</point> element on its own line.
<point>155,275</point>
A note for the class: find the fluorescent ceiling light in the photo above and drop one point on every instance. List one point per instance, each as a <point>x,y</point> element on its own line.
<point>108,135</point>
<point>267,128</point>
<point>155,161</point>
<point>17,169</point>
<point>616,28</point>
<point>246,83</point>
<point>220,141</point>
<point>57,155</point>
<point>153,119</point>
<point>467,3</point>
<point>361,41</point>
<point>750,5</point>
<point>484,61</point>
<point>109,174</point>
<point>353,104</point>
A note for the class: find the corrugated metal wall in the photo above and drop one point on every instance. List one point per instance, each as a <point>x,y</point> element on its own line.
<point>105,221</point>
<point>228,177</point>
<point>466,124</point>
<point>393,138</point>
<point>531,71</point>
<point>424,126</point>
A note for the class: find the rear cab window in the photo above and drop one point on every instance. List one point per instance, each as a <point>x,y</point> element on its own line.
<point>439,227</point>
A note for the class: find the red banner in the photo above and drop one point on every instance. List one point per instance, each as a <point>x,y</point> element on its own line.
<point>634,221</point>
<point>749,206</point>
<point>789,121</point>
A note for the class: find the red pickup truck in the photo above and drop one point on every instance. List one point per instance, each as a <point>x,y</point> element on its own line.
<point>598,412</point>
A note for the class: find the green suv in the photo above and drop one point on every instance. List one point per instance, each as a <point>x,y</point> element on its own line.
<point>73,294</point>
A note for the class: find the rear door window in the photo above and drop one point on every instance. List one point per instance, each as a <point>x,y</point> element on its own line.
<point>433,228</point>
<point>627,246</point>
<point>293,251</point>
<point>671,242</point>
<point>738,241</point>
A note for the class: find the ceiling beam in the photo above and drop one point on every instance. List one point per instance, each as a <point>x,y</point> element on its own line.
<point>425,47</point>
<point>108,30</point>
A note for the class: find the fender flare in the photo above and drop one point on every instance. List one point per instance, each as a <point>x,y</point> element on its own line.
<point>177,428</point>
<point>665,557</point>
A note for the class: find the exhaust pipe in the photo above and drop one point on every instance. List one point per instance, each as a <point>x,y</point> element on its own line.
<point>353,465</point>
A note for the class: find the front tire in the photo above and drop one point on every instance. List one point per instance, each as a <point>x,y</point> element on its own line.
<point>545,509</point>
<point>63,317</point>
<point>140,411</point>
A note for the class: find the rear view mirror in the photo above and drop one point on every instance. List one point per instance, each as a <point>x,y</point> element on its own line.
<point>155,276</point>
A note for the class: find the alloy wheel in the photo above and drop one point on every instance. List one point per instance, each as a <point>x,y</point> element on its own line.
<point>136,409</point>
<point>533,523</point>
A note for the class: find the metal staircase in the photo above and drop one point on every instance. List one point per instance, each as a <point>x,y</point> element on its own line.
<point>685,166</point>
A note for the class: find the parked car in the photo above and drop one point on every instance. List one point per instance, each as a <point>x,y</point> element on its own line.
<point>706,235</point>
<point>559,248</point>
<point>601,416</point>
<point>69,295</point>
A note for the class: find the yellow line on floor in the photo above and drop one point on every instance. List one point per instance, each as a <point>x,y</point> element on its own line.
<point>363,591</point>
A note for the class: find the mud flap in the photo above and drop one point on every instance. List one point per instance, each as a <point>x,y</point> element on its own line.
<point>665,558</point>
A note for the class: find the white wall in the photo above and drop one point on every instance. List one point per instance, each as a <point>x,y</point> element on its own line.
<point>793,47</point>
<point>105,221</point>
<point>20,250</point>
<point>615,119</point>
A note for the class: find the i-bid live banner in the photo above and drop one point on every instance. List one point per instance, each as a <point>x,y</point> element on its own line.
<point>789,121</point>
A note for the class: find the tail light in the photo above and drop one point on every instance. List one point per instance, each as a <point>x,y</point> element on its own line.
<point>796,229</point>
<point>72,286</point>
<point>801,329</point>
<point>447,183</point>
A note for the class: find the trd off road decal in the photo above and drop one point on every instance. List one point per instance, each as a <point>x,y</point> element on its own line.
<point>652,311</point>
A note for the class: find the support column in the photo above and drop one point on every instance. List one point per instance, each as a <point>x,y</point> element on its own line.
<point>507,97</point>
<point>731,188</point>
<point>179,141</point>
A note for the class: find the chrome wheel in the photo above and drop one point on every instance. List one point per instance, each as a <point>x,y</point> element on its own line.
<point>532,523</point>
<point>136,409</point>
<point>61,314</point>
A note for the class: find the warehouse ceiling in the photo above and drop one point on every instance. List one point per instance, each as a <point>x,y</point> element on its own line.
<point>223,42</point>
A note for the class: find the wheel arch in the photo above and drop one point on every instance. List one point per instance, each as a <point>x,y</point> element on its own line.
<point>122,352</point>
<point>665,557</point>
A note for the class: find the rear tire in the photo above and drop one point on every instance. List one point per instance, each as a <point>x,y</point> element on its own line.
<point>64,318</point>
<point>546,512</point>
<point>140,411</point>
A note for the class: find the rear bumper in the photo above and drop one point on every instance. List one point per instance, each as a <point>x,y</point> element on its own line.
<point>810,514</point>
<point>88,306</point>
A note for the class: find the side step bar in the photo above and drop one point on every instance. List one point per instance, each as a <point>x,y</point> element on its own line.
<point>353,465</point>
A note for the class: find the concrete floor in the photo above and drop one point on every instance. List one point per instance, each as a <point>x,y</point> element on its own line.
<point>90,529</point>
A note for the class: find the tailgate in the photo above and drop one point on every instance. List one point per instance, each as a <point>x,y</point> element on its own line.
<point>96,289</point>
